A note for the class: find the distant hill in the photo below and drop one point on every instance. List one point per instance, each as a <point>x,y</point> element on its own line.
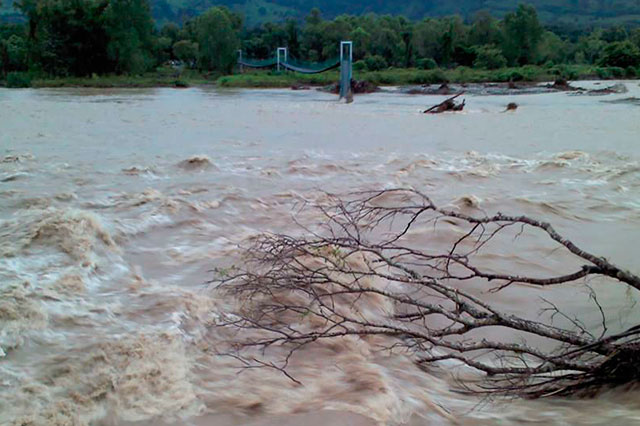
<point>573,12</point>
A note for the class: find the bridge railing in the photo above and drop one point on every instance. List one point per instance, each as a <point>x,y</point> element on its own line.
<point>306,67</point>
<point>258,63</point>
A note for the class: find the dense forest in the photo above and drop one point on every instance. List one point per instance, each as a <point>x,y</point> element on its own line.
<point>552,12</point>
<point>97,37</point>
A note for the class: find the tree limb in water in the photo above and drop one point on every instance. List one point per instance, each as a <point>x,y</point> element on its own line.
<point>361,273</point>
<point>447,105</point>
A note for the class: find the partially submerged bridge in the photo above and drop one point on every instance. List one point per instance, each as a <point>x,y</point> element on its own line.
<point>282,61</point>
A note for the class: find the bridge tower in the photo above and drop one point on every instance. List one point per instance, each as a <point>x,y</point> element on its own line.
<point>346,67</point>
<point>281,56</point>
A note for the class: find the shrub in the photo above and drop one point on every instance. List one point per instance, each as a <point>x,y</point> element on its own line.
<point>510,75</point>
<point>565,72</point>
<point>376,63</point>
<point>436,76</point>
<point>359,66</point>
<point>621,54</point>
<point>616,72</point>
<point>603,73</point>
<point>631,72</point>
<point>489,57</point>
<point>427,64</point>
<point>18,79</point>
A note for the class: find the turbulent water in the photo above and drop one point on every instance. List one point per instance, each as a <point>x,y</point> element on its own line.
<point>115,205</point>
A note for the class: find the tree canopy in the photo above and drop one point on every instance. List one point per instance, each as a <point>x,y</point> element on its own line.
<point>86,37</point>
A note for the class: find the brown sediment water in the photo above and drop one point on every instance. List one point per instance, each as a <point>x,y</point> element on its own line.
<point>116,204</point>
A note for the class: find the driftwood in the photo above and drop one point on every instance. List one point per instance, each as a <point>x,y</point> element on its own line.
<point>447,105</point>
<point>362,274</point>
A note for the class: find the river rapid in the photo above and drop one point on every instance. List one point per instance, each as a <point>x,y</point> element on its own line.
<point>115,205</point>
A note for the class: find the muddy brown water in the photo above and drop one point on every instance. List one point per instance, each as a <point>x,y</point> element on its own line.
<point>116,204</point>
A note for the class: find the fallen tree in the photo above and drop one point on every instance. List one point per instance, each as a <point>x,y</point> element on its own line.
<point>448,105</point>
<point>362,273</point>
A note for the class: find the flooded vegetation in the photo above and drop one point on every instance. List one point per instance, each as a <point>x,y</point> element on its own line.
<point>117,206</point>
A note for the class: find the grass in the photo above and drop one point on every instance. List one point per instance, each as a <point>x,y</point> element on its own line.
<point>266,79</point>
<point>166,77</point>
<point>399,77</point>
<point>412,76</point>
<point>162,77</point>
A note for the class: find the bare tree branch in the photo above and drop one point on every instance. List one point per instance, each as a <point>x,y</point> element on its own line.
<point>359,273</point>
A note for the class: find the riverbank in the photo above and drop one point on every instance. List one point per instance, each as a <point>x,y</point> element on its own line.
<point>412,76</point>
<point>164,77</point>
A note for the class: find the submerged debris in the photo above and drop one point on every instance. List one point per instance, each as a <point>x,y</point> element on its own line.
<point>196,162</point>
<point>616,89</point>
<point>427,89</point>
<point>444,89</point>
<point>358,87</point>
<point>447,105</point>
<point>479,89</point>
<point>563,85</point>
<point>630,101</point>
<point>300,86</point>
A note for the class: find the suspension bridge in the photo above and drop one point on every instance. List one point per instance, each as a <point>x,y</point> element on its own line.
<point>282,61</point>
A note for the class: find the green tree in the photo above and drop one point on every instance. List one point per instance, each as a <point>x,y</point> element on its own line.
<point>171,31</point>
<point>489,57</point>
<point>361,40</point>
<point>552,48</point>
<point>334,32</point>
<point>163,47</point>
<point>613,34</point>
<point>313,40</point>
<point>129,27</point>
<point>453,42</point>
<point>388,44</point>
<point>292,35</point>
<point>16,48</point>
<point>186,51</point>
<point>315,17</point>
<point>634,37</point>
<point>66,37</point>
<point>427,39</point>
<point>592,46</point>
<point>13,48</point>
<point>375,63</point>
<point>485,29</point>
<point>621,54</point>
<point>522,34</point>
<point>218,42</point>
<point>81,37</point>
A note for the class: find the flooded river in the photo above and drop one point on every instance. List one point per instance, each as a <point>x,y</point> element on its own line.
<point>115,205</point>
